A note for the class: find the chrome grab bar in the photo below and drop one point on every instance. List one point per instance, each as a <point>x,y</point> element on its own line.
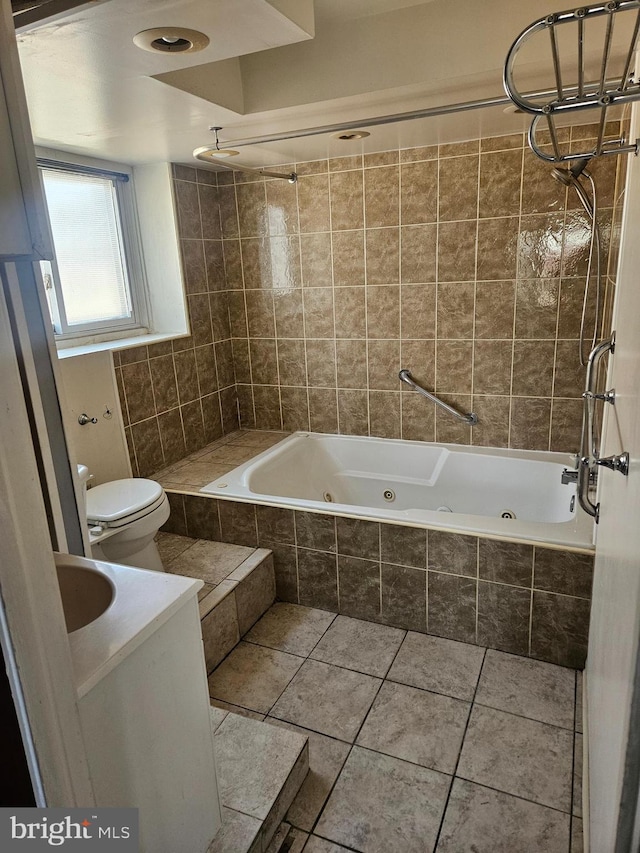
<point>405,376</point>
<point>590,459</point>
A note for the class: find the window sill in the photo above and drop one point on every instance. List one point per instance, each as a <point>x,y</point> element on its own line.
<point>113,345</point>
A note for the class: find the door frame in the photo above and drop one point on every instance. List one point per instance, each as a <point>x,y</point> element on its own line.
<point>33,633</point>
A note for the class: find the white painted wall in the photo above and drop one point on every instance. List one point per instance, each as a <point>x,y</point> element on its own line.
<point>615,613</point>
<point>89,386</point>
<point>158,225</point>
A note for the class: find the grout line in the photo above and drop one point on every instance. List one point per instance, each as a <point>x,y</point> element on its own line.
<point>333,310</point>
<point>462,742</point>
<point>324,837</point>
<point>533,580</point>
<point>477,580</point>
<point>453,776</point>
<point>427,579</point>
<point>573,759</point>
<point>515,796</point>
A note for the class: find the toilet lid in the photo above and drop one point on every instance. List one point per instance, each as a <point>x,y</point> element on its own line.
<point>111,502</point>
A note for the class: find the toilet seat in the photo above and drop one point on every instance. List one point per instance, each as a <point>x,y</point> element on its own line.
<point>122,502</point>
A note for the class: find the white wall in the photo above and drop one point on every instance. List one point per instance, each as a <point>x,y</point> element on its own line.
<point>615,611</point>
<point>89,386</point>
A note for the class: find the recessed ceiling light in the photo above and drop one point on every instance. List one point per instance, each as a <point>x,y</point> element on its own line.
<point>349,135</point>
<point>512,109</point>
<point>171,40</point>
<point>212,154</point>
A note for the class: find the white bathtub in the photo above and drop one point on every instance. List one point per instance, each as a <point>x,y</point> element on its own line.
<point>506,494</point>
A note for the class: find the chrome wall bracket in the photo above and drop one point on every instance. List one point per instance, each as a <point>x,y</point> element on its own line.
<point>606,397</point>
<point>616,463</point>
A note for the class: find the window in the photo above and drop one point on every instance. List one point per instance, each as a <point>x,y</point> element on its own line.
<point>95,284</point>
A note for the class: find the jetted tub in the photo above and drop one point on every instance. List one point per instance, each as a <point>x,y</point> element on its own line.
<point>506,494</point>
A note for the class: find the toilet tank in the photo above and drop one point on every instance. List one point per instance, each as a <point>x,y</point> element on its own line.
<point>81,496</point>
<point>83,476</point>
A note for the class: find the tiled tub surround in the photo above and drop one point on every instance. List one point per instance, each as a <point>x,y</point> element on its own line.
<point>464,263</point>
<point>178,396</point>
<point>416,743</point>
<point>512,494</point>
<point>525,599</point>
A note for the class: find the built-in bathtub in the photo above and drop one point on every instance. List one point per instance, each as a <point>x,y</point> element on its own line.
<point>508,494</point>
<point>362,527</point>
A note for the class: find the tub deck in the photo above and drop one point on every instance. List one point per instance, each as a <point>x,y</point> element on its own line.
<point>209,463</point>
<point>204,471</point>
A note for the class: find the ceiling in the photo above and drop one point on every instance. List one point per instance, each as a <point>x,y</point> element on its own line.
<point>272,66</point>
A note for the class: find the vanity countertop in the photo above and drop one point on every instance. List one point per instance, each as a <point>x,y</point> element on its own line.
<point>143,601</point>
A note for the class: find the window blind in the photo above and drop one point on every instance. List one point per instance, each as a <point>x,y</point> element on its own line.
<point>89,252</point>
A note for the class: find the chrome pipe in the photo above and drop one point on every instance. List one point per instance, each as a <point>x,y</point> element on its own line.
<point>611,7</point>
<point>405,376</point>
<point>590,392</point>
<point>292,177</point>
<point>555,55</point>
<point>582,155</point>
<point>580,52</point>
<point>200,154</point>
<point>524,101</point>
<point>603,118</point>
<point>589,453</point>
<point>584,476</point>
<point>554,137</point>
<point>393,118</point>
<point>624,80</point>
<point>592,211</point>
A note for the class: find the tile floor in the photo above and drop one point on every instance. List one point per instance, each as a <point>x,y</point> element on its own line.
<point>417,744</point>
<point>211,562</point>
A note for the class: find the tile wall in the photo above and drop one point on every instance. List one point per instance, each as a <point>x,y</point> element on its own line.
<point>464,263</point>
<point>520,598</point>
<point>179,395</point>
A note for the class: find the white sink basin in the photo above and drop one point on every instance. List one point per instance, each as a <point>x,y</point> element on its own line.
<point>86,592</point>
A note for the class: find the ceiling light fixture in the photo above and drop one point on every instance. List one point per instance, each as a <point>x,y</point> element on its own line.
<point>512,109</point>
<point>350,135</point>
<point>213,154</point>
<point>171,40</point>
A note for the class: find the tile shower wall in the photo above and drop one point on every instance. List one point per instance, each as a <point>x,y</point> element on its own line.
<point>179,395</point>
<point>464,263</point>
<point>520,598</point>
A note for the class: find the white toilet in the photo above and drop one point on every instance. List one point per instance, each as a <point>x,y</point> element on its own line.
<point>124,517</point>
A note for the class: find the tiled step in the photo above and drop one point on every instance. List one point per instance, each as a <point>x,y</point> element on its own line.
<point>239,587</point>
<point>260,770</point>
<point>231,609</point>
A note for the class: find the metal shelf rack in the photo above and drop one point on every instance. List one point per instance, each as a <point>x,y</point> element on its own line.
<point>602,91</point>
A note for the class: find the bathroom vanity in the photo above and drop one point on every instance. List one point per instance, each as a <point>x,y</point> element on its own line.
<point>143,698</point>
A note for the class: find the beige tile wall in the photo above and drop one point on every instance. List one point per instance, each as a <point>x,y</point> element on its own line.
<point>179,395</point>
<point>464,263</point>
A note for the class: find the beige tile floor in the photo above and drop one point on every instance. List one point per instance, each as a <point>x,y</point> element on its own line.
<point>213,461</point>
<point>211,562</point>
<point>417,744</point>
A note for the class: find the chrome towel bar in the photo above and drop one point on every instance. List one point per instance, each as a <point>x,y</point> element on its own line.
<point>405,376</point>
